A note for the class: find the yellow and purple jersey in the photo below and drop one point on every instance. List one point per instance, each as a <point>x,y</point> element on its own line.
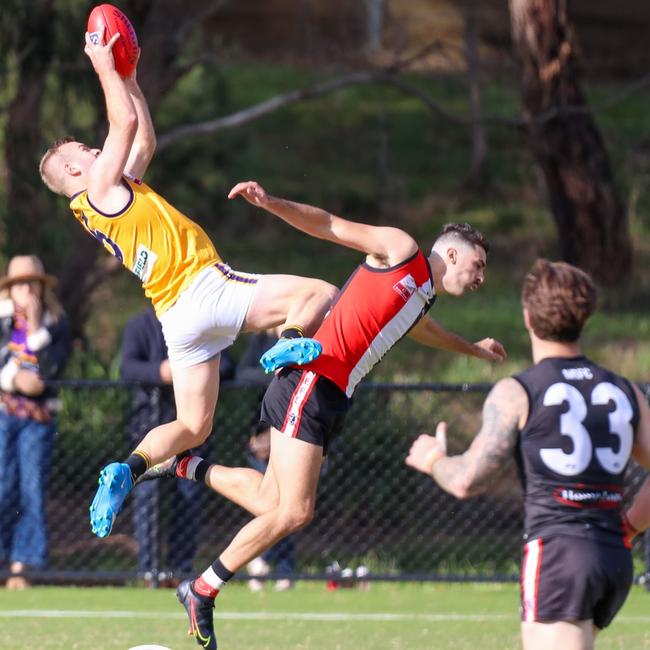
<point>153,239</point>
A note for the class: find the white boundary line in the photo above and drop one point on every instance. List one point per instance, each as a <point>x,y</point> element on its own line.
<point>283,616</point>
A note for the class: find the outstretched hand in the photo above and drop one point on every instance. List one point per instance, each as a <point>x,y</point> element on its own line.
<point>252,191</point>
<point>100,55</point>
<point>491,350</point>
<point>426,449</point>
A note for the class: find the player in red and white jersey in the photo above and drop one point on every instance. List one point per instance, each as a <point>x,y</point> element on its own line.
<point>572,426</point>
<point>387,297</point>
<point>373,311</point>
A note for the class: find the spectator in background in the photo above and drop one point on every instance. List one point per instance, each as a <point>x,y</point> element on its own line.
<point>145,360</point>
<point>35,344</point>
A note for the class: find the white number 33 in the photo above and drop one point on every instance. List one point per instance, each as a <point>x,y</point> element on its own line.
<point>571,425</point>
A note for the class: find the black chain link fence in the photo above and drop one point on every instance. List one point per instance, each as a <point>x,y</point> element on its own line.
<point>372,511</point>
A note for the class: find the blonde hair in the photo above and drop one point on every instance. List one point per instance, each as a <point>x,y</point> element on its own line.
<point>52,176</point>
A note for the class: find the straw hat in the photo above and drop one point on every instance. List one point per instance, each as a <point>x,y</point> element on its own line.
<point>26,268</point>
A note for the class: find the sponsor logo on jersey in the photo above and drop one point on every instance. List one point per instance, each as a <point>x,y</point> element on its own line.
<point>406,287</point>
<point>144,262</point>
<point>577,374</point>
<point>586,496</point>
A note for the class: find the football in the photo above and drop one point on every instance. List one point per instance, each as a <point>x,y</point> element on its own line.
<point>126,50</point>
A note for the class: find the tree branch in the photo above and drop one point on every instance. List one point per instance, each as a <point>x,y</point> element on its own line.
<point>388,77</point>
<point>283,100</point>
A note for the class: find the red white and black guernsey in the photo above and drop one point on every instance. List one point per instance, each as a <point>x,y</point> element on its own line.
<point>373,311</point>
<point>572,455</point>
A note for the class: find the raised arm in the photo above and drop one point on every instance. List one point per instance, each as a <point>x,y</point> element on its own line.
<point>430,333</point>
<point>105,175</point>
<point>387,245</point>
<point>504,413</point>
<point>144,143</point>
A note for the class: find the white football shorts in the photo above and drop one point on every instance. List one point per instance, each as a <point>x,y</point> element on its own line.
<point>208,315</point>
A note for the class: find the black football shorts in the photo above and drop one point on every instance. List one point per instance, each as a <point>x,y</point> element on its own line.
<point>566,578</point>
<point>305,405</point>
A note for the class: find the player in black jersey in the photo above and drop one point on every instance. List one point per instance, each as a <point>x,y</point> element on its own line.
<point>572,427</point>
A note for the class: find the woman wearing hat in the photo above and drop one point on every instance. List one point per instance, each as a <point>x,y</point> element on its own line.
<point>34,346</point>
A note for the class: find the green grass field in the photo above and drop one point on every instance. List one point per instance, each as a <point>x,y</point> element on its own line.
<point>395,616</point>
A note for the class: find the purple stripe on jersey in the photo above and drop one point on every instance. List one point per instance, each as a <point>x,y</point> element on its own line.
<point>232,275</point>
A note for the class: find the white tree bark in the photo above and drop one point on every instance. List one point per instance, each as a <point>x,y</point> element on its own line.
<point>472,58</point>
<point>375,24</point>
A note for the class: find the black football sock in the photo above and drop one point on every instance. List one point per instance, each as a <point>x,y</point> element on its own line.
<point>138,462</point>
<point>292,332</point>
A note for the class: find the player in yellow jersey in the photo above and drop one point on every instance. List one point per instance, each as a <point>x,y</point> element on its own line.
<point>201,302</point>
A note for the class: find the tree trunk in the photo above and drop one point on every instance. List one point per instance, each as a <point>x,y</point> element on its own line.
<point>589,214</point>
<point>477,177</point>
<point>27,207</point>
<point>375,24</point>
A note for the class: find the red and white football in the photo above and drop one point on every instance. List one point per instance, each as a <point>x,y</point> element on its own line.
<point>126,49</point>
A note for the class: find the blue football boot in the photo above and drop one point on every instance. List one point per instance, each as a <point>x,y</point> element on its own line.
<point>115,483</point>
<point>289,352</point>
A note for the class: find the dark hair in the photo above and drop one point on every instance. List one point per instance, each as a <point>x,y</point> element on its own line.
<point>466,233</point>
<point>559,299</point>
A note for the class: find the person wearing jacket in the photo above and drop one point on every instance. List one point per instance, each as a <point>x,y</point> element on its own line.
<point>35,343</point>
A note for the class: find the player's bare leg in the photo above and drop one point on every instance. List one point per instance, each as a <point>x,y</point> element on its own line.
<point>297,468</point>
<point>248,488</point>
<point>296,465</point>
<point>298,305</point>
<point>289,300</point>
<point>568,635</point>
<point>196,389</point>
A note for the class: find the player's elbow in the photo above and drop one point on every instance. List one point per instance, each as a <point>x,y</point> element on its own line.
<point>461,489</point>
<point>127,123</point>
<point>149,146</point>
<point>131,122</point>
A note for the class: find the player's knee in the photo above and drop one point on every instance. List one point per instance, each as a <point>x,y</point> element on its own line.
<point>321,291</point>
<point>199,429</point>
<point>297,517</point>
<point>327,291</point>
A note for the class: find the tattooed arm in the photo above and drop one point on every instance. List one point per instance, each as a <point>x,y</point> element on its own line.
<point>504,414</point>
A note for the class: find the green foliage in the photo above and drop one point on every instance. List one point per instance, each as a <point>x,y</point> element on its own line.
<point>369,153</point>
